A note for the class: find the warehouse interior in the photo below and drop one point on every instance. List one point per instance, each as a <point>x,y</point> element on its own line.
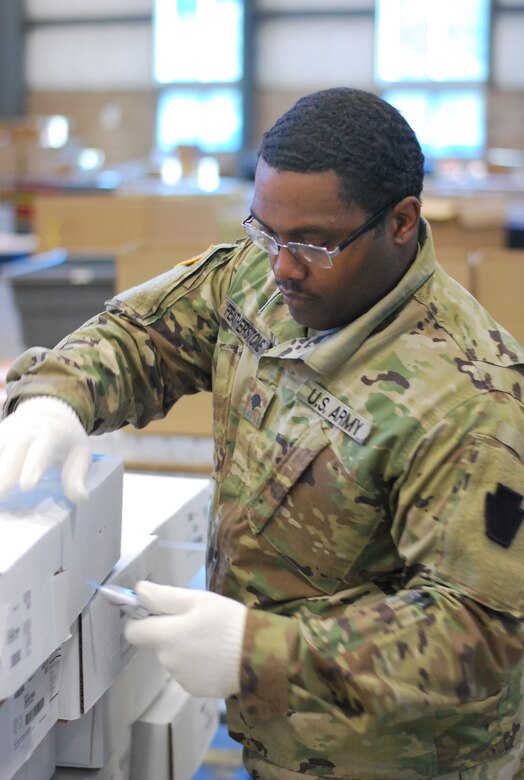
<point>128,139</point>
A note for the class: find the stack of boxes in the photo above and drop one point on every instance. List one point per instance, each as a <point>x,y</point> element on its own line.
<point>37,154</point>
<point>76,700</point>
<point>164,227</point>
<point>116,240</point>
<point>471,240</point>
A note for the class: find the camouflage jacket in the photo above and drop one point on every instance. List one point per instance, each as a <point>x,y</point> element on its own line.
<point>367,505</point>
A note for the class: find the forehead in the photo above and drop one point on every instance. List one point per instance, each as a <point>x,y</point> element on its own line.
<point>286,199</point>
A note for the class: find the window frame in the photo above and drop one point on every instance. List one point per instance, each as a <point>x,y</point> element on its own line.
<point>479,87</point>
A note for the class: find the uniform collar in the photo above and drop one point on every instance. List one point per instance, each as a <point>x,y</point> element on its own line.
<point>324,353</point>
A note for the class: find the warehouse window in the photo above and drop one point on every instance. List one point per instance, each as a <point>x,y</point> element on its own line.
<point>432,64</point>
<point>198,57</point>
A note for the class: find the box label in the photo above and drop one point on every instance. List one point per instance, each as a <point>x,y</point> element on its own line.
<point>31,712</point>
<point>16,632</point>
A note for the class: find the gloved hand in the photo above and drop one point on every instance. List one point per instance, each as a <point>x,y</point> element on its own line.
<point>197,635</point>
<point>42,432</point>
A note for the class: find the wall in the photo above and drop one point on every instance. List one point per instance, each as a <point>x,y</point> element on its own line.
<point>100,73</point>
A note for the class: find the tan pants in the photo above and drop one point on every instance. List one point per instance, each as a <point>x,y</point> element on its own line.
<point>510,766</point>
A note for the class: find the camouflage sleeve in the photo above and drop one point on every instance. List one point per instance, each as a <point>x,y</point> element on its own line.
<point>153,344</point>
<point>451,637</point>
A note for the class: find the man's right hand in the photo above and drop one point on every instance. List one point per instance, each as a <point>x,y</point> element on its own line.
<point>43,432</point>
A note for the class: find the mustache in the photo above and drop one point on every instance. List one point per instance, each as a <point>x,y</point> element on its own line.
<point>291,286</point>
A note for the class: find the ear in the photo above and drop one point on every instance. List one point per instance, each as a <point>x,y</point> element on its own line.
<point>406,220</point>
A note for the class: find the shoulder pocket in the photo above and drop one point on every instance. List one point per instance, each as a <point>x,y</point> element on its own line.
<point>148,300</point>
<point>483,534</point>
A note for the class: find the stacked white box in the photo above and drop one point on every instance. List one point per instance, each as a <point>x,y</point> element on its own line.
<point>104,684</point>
<point>172,736</point>
<point>27,717</point>
<point>97,650</point>
<point>92,740</point>
<point>48,549</point>
<point>41,764</point>
<point>176,510</point>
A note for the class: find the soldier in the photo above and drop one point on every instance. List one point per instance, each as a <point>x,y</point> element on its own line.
<point>365,556</point>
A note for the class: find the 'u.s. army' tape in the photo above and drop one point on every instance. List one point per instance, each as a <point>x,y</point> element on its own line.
<point>335,412</point>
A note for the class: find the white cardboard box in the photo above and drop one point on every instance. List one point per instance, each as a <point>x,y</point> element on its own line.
<point>28,716</point>
<point>117,768</point>
<point>176,510</point>
<point>97,651</point>
<point>91,740</point>
<point>41,764</point>
<point>172,737</point>
<point>49,548</point>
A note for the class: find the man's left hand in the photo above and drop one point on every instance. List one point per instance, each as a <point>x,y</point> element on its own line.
<point>197,635</point>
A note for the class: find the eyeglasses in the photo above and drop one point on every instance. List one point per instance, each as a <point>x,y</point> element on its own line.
<point>307,253</point>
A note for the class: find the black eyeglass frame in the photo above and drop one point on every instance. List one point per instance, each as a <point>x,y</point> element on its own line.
<point>295,246</point>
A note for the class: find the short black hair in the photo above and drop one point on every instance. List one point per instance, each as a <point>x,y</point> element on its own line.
<point>355,133</point>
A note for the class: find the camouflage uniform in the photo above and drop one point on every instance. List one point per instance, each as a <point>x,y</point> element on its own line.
<point>368,486</point>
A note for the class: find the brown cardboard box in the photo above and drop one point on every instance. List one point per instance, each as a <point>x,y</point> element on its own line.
<point>104,223</point>
<point>134,265</point>
<point>192,415</point>
<point>183,221</point>
<point>468,222</point>
<point>455,261</point>
<point>451,232</point>
<point>89,223</point>
<point>148,234</point>
<point>24,148</point>
<point>498,283</point>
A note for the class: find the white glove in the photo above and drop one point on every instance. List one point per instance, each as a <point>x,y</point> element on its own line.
<point>43,432</point>
<point>197,635</point>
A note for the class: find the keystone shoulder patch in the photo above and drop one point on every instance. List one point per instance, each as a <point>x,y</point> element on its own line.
<point>504,514</point>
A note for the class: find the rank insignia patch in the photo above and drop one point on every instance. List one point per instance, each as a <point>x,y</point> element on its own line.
<point>256,401</point>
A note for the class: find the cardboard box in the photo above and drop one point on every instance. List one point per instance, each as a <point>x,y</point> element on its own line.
<point>498,282</point>
<point>452,233</point>
<point>192,415</point>
<point>456,262</point>
<point>28,716</point>
<point>117,768</point>
<point>184,220</point>
<point>25,150</point>
<point>94,223</point>
<point>136,264</point>
<point>166,454</point>
<point>97,651</point>
<point>88,223</point>
<point>175,509</point>
<point>91,740</point>
<point>49,549</point>
<point>468,223</point>
<point>172,737</point>
<point>41,764</point>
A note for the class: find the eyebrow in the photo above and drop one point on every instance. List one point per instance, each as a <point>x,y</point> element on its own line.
<point>301,231</point>
<point>252,213</point>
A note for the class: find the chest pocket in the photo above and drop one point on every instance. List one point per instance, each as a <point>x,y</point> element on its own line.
<point>313,513</point>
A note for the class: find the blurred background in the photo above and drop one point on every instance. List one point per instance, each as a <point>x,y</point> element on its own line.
<point>129,129</point>
<point>128,135</point>
<point>137,79</point>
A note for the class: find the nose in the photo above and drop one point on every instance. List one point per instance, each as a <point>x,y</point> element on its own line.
<point>285,266</point>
